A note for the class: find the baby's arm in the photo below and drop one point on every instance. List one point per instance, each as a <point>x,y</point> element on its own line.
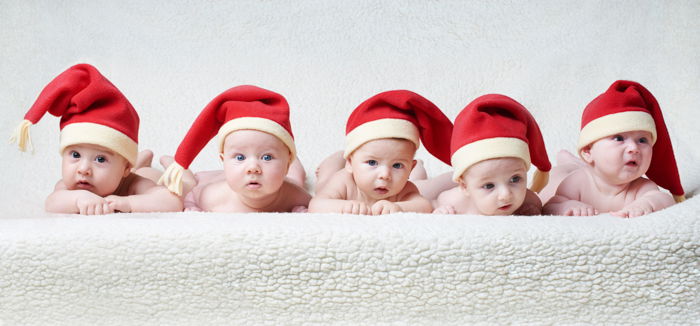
<point>65,201</point>
<point>332,198</point>
<point>410,200</point>
<point>565,201</point>
<point>147,197</point>
<point>651,200</point>
<point>531,206</point>
<point>448,200</point>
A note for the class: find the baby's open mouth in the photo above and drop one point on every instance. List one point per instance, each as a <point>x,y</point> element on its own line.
<point>253,184</point>
<point>505,207</point>
<point>83,185</point>
<point>381,190</point>
<point>631,163</point>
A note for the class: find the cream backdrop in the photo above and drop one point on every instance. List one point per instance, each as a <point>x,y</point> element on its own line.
<point>171,58</point>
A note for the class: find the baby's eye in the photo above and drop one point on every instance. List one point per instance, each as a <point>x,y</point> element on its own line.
<point>397,165</point>
<point>488,186</point>
<point>74,154</point>
<point>618,138</point>
<point>515,179</point>
<point>100,159</point>
<point>372,162</point>
<point>643,140</point>
<point>239,157</point>
<point>267,157</point>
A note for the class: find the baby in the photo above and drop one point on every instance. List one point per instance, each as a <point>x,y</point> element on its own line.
<point>99,145</point>
<point>494,140</point>
<point>382,136</point>
<point>620,130</point>
<point>257,149</point>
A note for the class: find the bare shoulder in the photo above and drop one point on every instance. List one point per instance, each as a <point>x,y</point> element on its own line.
<point>409,190</point>
<point>640,186</point>
<point>294,195</point>
<point>338,186</point>
<point>450,196</point>
<point>139,185</point>
<point>572,185</point>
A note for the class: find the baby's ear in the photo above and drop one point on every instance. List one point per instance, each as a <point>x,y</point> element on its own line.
<point>127,170</point>
<point>348,165</point>
<point>221,156</point>
<point>586,155</point>
<point>462,185</point>
<point>414,164</point>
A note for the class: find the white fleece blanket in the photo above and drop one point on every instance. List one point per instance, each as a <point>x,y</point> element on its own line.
<point>170,59</point>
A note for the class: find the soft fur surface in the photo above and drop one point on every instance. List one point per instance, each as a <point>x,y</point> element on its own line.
<point>170,59</point>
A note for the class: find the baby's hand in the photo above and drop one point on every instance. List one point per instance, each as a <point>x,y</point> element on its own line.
<point>384,207</point>
<point>91,204</point>
<point>118,203</point>
<point>446,209</point>
<point>577,208</point>
<point>356,207</point>
<point>634,209</point>
<point>300,209</point>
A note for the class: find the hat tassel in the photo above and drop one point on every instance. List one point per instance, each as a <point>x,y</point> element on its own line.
<point>21,136</point>
<point>539,180</point>
<point>679,198</point>
<point>172,178</point>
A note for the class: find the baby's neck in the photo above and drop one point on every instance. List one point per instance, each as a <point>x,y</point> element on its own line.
<point>262,204</point>
<point>606,188</point>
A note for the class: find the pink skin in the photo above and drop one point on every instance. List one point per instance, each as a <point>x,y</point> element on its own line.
<point>495,186</point>
<point>255,165</point>
<point>93,168</point>
<point>619,159</point>
<point>380,168</point>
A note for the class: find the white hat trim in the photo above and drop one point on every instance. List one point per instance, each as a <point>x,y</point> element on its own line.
<point>260,124</point>
<point>101,135</point>
<point>379,129</point>
<point>488,148</point>
<point>615,123</point>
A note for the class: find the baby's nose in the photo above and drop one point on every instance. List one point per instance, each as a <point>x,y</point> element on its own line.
<point>253,167</point>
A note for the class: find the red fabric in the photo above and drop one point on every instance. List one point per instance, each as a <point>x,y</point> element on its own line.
<point>237,102</point>
<point>495,115</point>
<point>82,94</point>
<point>623,96</point>
<point>434,127</point>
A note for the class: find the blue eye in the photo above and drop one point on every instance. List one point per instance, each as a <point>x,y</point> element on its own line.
<point>74,154</point>
<point>397,166</point>
<point>488,186</point>
<point>372,162</point>
<point>267,157</point>
<point>618,138</point>
<point>239,157</point>
<point>643,140</point>
<point>515,179</point>
<point>100,159</point>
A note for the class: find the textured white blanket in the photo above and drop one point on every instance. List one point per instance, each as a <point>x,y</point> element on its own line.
<point>326,57</point>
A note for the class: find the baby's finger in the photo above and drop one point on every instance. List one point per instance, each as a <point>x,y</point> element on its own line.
<point>90,210</point>
<point>107,209</point>
<point>590,211</point>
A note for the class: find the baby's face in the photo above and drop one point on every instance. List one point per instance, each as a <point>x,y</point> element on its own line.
<point>255,162</point>
<point>381,167</point>
<point>620,158</point>
<point>496,186</point>
<point>93,168</point>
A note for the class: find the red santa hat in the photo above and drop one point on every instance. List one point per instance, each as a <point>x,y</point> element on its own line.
<point>399,114</point>
<point>92,111</point>
<point>242,107</point>
<point>629,106</point>
<point>496,126</point>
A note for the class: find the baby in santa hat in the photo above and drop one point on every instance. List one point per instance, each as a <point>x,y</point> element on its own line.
<point>495,139</point>
<point>99,147</point>
<point>620,130</point>
<point>257,149</point>
<point>382,136</point>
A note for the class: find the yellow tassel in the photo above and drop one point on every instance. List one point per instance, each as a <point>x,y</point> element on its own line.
<point>539,180</point>
<point>172,178</point>
<point>21,136</point>
<point>679,199</point>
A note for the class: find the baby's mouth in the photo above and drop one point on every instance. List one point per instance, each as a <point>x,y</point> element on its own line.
<point>253,185</point>
<point>631,163</point>
<point>83,185</point>
<point>505,207</point>
<point>381,190</point>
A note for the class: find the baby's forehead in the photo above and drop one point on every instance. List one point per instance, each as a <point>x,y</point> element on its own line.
<point>252,139</point>
<point>495,166</point>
